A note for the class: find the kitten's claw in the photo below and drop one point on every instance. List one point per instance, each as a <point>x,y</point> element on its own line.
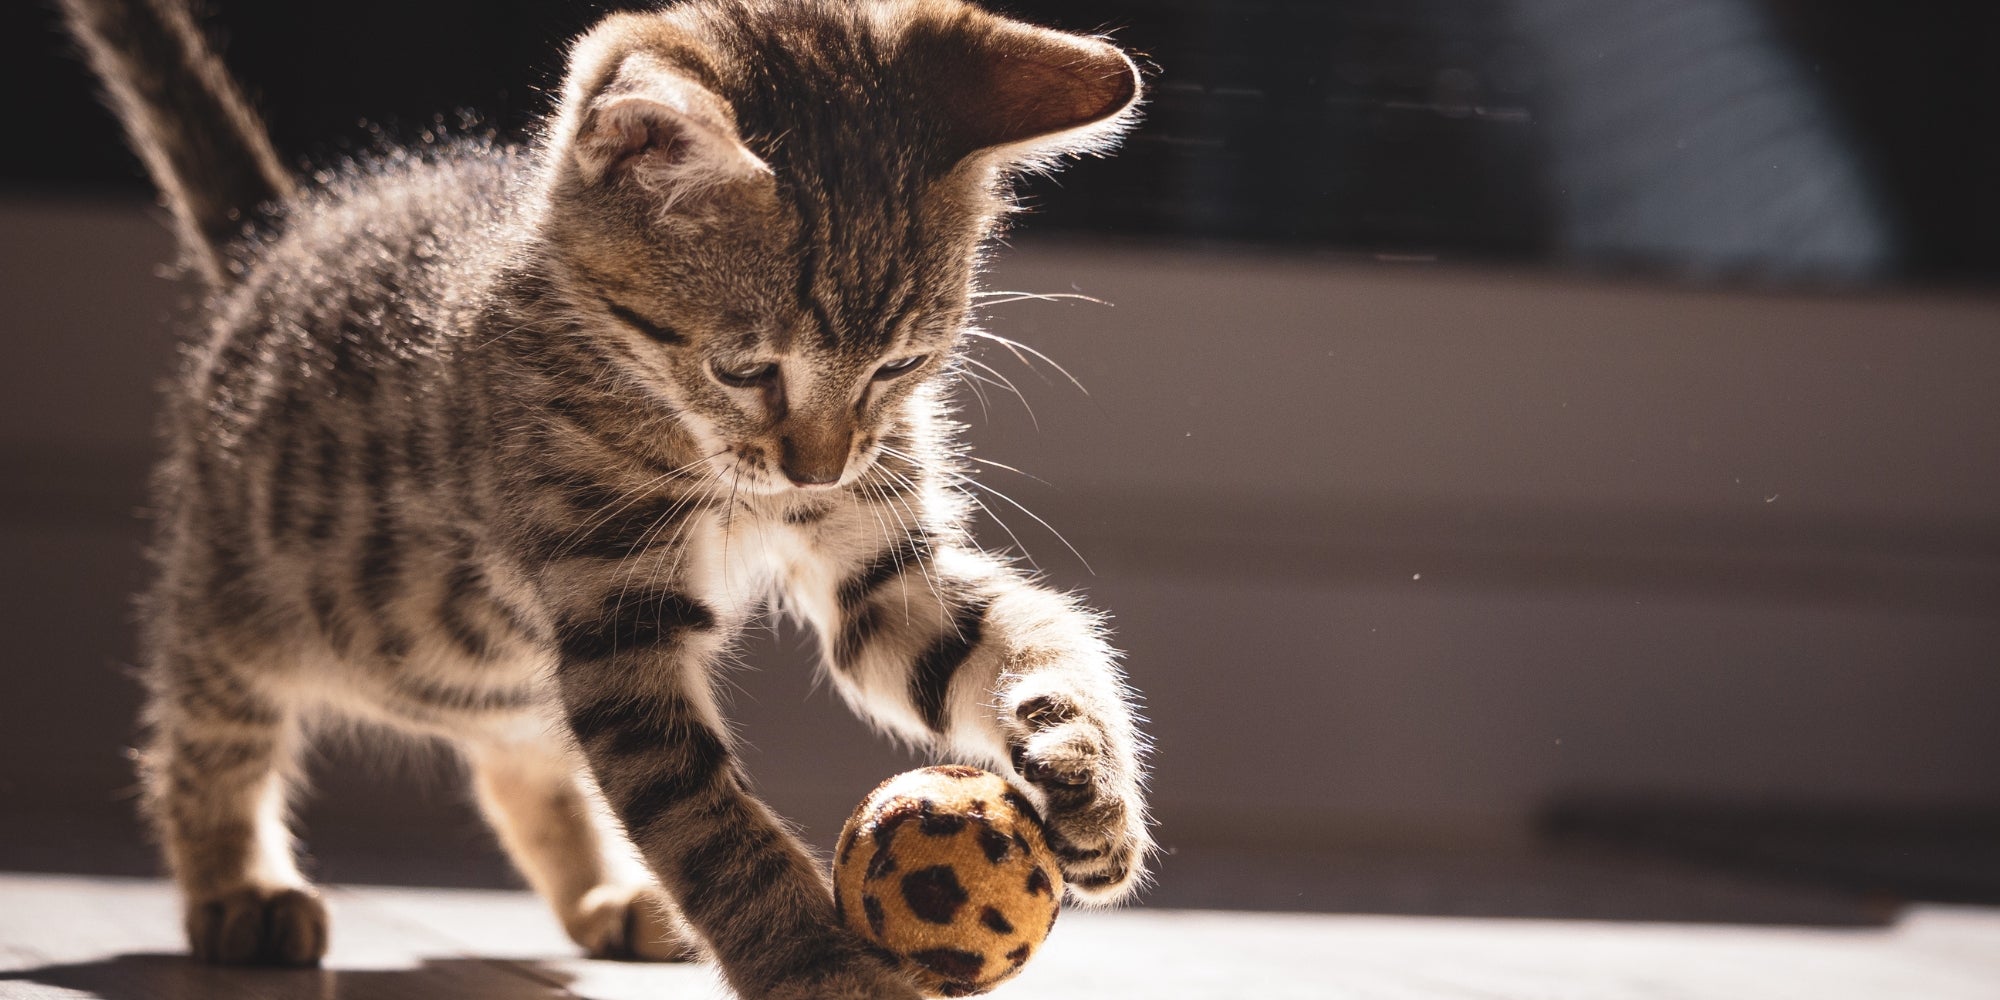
<point>258,926</point>
<point>1095,822</point>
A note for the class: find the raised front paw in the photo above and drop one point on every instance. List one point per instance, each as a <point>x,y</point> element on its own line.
<point>1088,778</point>
<point>258,926</point>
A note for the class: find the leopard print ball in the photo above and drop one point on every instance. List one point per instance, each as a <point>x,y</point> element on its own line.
<point>946,868</point>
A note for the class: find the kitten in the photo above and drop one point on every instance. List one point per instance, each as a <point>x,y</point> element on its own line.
<point>506,445</point>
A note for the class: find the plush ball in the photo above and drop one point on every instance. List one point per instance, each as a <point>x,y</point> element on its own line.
<point>946,869</point>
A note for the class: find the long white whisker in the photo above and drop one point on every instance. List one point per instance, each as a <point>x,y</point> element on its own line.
<point>969,481</point>
<point>1019,545</point>
<point>971,381</point>
<point>624,502</point>
<point>1017,347</point>
<point>905,530</point>
<point>647,542</point>
<point>909,531</point>
<point>1011,387</point>
<point>1003,297</point>
<point>1009,468</point>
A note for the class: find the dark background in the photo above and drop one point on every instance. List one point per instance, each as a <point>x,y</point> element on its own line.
<point>1408,127</point>
<point>1540,460</point>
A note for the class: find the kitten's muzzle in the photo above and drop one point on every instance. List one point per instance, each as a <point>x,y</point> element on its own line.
<point>817,458</point>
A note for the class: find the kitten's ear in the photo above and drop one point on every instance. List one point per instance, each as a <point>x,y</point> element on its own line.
<point>655,126</point>
<point>1028,94</point>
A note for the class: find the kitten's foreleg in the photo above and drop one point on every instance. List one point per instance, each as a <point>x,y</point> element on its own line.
<point>216,771</point>
<point>632,672</point>
<point>946,641</point>
<point>568,849</point>
<point>1060,706</point>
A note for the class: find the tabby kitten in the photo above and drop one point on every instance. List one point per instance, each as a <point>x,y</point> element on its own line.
<point>507,446</point>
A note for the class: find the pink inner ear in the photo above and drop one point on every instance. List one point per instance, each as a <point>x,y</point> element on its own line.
<point>625,132</point>
<point>1026,83</point>
<point>1039,98</point>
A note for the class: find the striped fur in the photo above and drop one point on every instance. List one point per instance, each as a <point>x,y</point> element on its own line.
<point>508,445</point>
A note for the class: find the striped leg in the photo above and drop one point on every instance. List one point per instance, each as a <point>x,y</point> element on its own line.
<point>945,643</point>
<point>632,672</point>
<point>216,770</point>
<point>556,833</point>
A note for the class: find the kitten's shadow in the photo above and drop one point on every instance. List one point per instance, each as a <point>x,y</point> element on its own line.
<point>177,977</point>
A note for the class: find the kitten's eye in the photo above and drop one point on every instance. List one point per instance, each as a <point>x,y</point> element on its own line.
<point>744,376</point>
<point>900,366</point>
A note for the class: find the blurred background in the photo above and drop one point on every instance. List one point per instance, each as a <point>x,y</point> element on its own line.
<point>1540,455</point>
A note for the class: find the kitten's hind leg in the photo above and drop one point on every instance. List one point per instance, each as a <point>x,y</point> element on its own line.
<point>217,769</point>
<point>569,849</point>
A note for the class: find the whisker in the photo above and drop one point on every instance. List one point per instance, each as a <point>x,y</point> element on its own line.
<point>882,497</point>
<point>672,547</point>
<point>971,381</point>
<point>969,481</point>
<point>1019,545</point>
<point>1011,387</point>
<point>1009,468</point>
<point>894,503</point>
<point>1016,347</point>
<point>624,502</point>
<point>1036,297</point>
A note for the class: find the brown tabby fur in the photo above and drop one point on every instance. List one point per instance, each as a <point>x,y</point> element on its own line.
<point>506,445</point>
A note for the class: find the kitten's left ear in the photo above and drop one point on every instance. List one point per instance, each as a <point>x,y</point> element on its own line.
<point>632,114</point>
<point>664,131</point>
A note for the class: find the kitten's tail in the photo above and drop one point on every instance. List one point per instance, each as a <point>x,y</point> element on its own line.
<point>185,117</point>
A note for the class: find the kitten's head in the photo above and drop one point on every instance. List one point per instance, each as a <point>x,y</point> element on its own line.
<point>769,211</point>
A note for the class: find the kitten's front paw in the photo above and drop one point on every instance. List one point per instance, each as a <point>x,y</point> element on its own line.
<point>631,923</point>
<point>1094,814</point>
<point>258,926</point>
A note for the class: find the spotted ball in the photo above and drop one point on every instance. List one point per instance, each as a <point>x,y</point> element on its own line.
<point>947,870</point>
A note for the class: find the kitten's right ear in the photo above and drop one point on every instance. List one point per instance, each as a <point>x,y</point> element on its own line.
<point>633,118</point>
<point>1019,94</point>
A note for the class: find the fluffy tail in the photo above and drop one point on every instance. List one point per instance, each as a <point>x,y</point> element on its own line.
<point>185,117</point>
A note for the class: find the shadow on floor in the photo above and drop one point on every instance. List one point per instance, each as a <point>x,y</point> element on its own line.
<point>1577,878</point>
<point>177,977</point>
<point>1941,855</point>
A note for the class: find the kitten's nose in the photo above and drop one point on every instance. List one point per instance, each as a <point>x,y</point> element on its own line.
<point>814,462</point>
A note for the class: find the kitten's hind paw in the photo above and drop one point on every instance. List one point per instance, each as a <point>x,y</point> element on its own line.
<point>631,923</point>
<point>258,926</point>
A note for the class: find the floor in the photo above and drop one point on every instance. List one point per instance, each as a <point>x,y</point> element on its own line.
<point>115,939</point>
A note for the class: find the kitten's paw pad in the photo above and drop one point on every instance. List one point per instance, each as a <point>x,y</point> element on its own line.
<point>258,926</point>
<point>1055,744</point>
<point>631,923</point>
<point>1063,759</point>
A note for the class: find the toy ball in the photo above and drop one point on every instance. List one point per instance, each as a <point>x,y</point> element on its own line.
<point>947,870</point>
